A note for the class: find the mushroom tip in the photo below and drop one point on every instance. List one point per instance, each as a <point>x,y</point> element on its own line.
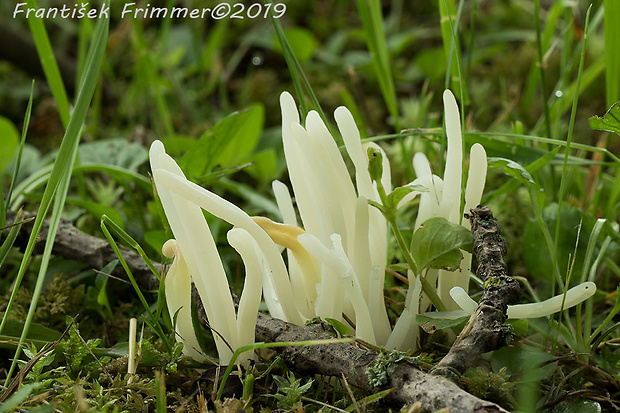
<point>286,99</point>
<point>157,147</point>
<point>342,110</point>
<point>170,248</point>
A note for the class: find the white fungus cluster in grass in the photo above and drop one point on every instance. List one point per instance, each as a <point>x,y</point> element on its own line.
<point>336,253</point>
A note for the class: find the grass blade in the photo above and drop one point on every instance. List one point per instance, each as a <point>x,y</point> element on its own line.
<point>372,21</point>
<point>10,239</point>
<point>21,149</point>
<point>49,64</point>
<point>60,174</point>
<point>152,319</point>
<point>298,76</point>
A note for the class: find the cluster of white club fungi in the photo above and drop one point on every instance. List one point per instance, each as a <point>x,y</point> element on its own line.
<point>336,253</point>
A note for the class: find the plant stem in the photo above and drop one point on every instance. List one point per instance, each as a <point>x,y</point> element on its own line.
<point>390,216</point>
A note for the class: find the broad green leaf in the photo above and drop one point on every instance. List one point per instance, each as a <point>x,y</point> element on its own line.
<point>116,152</point>
<point>436,244</point>
<point>519,326</point>
<point>226,144</point>
<point>394,198</point>
<point>265,166</point>
<point>156,239</point>
<point>37,333</point>
<point>535,250</point>
<point>9,137</point>
<point>448,261</point>
<point>610,121</point>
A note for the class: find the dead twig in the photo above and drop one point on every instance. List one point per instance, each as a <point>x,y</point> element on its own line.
<point>485,331</point>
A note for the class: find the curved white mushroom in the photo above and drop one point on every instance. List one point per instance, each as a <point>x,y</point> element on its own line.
<point>552,305</point>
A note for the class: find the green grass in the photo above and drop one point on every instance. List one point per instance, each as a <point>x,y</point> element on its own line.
<point>527,77</point>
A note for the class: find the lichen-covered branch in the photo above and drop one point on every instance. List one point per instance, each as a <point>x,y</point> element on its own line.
<point>486,329</point>
<point>410,384</point>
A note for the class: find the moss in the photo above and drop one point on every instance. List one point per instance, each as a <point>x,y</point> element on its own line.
<point>59,299</point>
<point>492,282</point>
<point>490,386</point>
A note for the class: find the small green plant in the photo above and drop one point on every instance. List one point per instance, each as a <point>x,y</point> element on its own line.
<point>290,390</point>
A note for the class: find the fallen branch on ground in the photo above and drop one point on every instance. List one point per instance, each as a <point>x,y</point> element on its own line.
<point>411,384</point>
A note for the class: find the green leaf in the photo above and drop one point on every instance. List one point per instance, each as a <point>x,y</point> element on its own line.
<point>37,332</point>
<point>19,397</point>
<point>340,327</point>
<point>430,324</point>
<point>520,327</point>
<point>9,137</point>
<point>50,65</point>
<point>377,205</point>
<point>302,42</point>
<point>610,121</point>
<point>513,169</point>
<point>394,198</point>
<point>226,144</point>
<point>436,244</point>
<point>156,239</point>
<point>117,152</point>
<point>535,250</point>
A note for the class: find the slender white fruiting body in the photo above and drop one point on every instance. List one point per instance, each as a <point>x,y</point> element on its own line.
<point>560,302</point>
<point>234,215</point>
<point>460,296</point>
<point>178,290</point>
<point>443,199</point>
<point>194,239</point>
<point>247,312</point>
<point>450,205</point>
<point>329,203</point>
<point>406,332</point>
